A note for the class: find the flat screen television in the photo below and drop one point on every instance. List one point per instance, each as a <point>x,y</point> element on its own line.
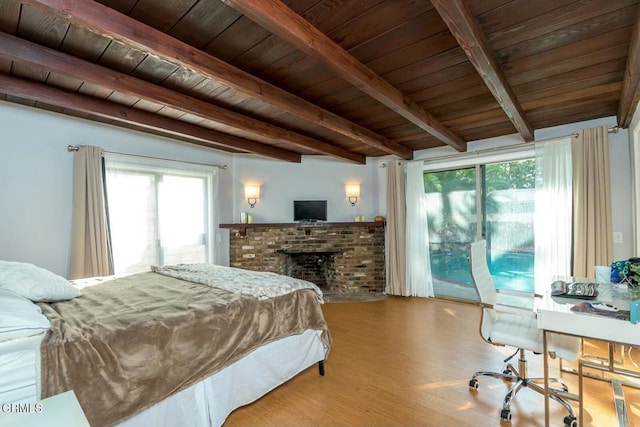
<point>309,210</point>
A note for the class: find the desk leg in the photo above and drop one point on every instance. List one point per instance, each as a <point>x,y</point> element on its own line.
<point>580,392</point>
<point>546,377</point>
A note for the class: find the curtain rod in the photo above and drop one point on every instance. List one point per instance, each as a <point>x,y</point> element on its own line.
<point>614,129</point>
<point>71,148</point>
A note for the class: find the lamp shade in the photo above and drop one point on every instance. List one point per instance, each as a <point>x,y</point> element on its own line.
<point>252,194</point>
<point>352,190</point>
<point>252,191</point>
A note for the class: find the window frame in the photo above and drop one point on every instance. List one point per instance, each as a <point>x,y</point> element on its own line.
<point>479,160</point>
<point>159,168</point>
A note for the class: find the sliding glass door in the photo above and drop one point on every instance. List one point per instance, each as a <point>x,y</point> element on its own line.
<point>493,201</point>
<point>452,220</point>
<point>509,190</point>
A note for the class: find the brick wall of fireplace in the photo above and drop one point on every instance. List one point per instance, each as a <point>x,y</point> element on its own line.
<point>335,256</point>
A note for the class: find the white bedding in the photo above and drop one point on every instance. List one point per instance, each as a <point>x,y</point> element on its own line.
<point>259,284</point>
<point>206,403</point>
<point>20,369</point>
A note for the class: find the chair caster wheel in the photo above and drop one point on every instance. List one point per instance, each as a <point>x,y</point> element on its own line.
<point>473,384</point>
<point>505,414</point>
<point>570,421</point>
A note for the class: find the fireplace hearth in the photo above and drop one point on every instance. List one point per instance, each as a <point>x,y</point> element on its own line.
<point>317,267</point>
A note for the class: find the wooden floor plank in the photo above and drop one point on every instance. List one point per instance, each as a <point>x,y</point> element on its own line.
<point>407,362</point>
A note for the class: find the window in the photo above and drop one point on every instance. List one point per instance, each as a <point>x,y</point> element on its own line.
<point>160,212</point>
<point>490,200</point>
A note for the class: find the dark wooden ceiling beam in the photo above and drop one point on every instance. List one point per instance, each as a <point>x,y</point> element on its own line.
<point>630,94</point>
<point>465,28</point>
<point>100,19</point>
<point>196,134</point>
<point>284,22</point>
<point>42,57</point>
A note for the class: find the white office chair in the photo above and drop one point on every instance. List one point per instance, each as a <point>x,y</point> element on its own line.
<point>515,327</point>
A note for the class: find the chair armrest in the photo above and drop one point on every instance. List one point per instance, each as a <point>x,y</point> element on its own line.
<point>509,309</point>
<point>512,309</point>
<point>518,293</point>
<point>522,299</point>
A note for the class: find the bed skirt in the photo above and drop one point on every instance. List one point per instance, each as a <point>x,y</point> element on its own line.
<point>209,402</point>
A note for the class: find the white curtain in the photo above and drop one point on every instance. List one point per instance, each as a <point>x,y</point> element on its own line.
<point>419,280</point>
<point>553,211</point>
<point>161,211</point>
<point>395,260</point>
<point>90,243</point>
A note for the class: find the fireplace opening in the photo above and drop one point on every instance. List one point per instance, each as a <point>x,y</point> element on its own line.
<point>316,267</point>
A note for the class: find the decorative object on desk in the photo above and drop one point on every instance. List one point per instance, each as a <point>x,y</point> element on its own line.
<point>634,311</point>
<point>378,218</point>
<point>243,217</point>
<point>600,309</point>
<point>633,283</point>
<point>633,273</point>
<point>619,269</point>
<point>360,218</point>
<point>582,290</point>
<point>602,273</point>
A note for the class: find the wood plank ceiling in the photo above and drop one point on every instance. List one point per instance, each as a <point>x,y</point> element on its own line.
<point>348,79</point>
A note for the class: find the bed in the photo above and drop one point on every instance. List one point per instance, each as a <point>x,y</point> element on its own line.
<point>178,345</point>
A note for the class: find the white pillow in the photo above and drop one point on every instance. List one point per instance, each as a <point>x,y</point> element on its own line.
<point>35,283</point>
<point>20,317</point>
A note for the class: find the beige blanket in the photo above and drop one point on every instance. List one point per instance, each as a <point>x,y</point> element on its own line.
<point>127,344</point>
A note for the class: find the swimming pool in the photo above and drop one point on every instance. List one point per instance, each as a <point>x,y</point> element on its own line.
<point>510,270</point>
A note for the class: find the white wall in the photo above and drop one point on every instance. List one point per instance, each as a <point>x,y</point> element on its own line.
<point>634,136</point>
<point>36,178</point>
<point>315,178</point>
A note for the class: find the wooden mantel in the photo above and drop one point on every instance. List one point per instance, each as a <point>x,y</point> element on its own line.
<point>372,225</point>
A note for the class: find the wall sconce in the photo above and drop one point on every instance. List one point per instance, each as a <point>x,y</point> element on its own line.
<point>353,193</point>
<point>252,194</point>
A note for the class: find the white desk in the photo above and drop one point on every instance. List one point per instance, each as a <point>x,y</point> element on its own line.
<point>555,316</point>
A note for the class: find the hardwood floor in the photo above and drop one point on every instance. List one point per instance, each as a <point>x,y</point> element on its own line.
<point>407,362</point>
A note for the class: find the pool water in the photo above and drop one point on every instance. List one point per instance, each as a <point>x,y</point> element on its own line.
<point>510,270</point>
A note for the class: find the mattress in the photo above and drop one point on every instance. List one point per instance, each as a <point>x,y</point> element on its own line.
<point>19,369</point>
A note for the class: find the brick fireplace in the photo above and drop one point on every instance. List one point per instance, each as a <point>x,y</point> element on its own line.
<point>344,256</point>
